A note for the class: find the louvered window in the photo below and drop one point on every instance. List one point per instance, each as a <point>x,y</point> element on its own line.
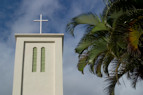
<point>42,59</point>
<point>34,64</point>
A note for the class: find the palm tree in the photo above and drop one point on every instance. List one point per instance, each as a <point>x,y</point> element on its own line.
<point>114,38</point>
<point>93,46</point>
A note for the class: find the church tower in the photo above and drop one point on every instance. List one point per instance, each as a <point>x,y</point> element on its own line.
<point>38,64</point>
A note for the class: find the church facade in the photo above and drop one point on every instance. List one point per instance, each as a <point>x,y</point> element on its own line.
<point>38,64</point>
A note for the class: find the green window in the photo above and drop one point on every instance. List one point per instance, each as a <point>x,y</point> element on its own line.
<point>42,59</point>
<point>34,64</point>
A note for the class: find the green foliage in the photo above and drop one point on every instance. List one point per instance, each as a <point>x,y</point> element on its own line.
<point>89,19</point>
<point>114,38</point>
<point>99,27</point>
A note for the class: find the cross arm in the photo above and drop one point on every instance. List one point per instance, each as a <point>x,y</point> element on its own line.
<point>39,20</point>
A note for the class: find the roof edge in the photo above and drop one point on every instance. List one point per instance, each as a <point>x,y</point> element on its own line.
<point>39,35</point>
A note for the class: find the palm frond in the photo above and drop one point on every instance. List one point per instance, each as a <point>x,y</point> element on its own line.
<point>92,55</point>
<point>82,63</point>
<point>98,66</point>
<point>98,48</point>
<point>130,26</point>
<point>85,42</point>
<point>106,61</point>
<point>112,80</point>
<point>134,78</point>
<point>99,27</point>
<point>133,38</point>
<point>115,38</point>
<point>118,5</point>
<point>90,19</point>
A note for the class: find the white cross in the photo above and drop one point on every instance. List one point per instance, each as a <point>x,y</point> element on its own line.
<point>40,22</point>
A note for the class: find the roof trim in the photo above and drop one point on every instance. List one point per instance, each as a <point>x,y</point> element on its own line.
<point>39,35</point>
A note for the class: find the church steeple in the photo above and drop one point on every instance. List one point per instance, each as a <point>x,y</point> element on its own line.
<point>38,64</point>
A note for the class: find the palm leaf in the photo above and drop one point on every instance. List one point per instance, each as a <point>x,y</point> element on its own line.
<point>106,61</point>
<point>82,63</point>
<point>118,5</point>
<point>99,27</point>
<point>98,66</point>
<point>134,79</point>
<point>133,37</point>
<point>92,55</point>
<point>127,31</point>
<point>112,80</point>
<point>98,48</point>
<point>90,19</point>
<point>85,42</point>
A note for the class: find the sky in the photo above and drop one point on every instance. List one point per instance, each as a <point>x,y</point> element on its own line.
<point>16,16</point>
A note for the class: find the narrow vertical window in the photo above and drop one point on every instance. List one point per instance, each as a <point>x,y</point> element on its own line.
<point>34,64</point>
<point>42,59</point>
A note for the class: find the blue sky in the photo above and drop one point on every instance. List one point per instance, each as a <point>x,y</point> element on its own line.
<point>16,16</point>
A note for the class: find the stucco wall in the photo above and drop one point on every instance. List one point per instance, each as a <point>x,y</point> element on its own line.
<point>49,82</point>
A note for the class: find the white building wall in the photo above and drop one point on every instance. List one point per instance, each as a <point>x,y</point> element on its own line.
<point>49,82</point>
